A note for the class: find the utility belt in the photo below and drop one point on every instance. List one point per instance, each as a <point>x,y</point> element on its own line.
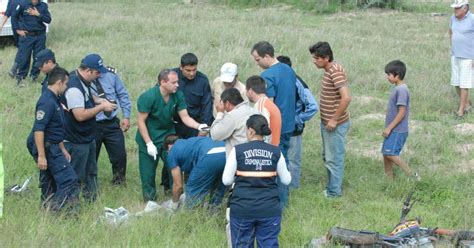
<point>34,33</point>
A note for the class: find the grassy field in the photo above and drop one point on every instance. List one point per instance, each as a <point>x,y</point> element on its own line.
<point>142,38</point>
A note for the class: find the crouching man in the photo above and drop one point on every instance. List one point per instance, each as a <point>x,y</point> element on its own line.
<point>203,160</point>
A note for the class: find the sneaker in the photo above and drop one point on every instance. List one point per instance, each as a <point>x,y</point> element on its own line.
<point>21,83</point>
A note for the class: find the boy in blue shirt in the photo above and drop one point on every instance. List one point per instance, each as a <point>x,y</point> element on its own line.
<point>396,119</point>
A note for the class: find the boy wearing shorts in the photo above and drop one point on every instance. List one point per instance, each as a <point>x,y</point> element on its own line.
<point>396,119</point>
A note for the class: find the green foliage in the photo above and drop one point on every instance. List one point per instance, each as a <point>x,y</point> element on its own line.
<point>140,39</point>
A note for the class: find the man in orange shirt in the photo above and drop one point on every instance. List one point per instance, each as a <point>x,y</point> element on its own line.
<point>256,92</point>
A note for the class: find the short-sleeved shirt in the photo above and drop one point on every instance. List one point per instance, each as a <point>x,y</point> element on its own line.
<point>185,153</point>
<point>160,113</point>
<point>280,80</point>
<point>400,96</point>
<point>463,36</point>
<point>334,78</point>
<point>49,117</point>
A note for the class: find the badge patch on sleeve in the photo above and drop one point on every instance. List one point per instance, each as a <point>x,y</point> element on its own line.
<point>40,115</point>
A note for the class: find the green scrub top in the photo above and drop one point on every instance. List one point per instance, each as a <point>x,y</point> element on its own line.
<point>160,114</point>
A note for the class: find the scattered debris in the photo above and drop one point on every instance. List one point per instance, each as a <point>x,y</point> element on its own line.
<point>18,189</point>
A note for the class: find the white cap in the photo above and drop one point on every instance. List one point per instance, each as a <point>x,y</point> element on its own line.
<point>459,3</point>
<point>228,72</point>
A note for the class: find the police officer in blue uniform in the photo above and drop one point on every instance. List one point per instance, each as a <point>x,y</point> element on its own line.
<point>58,181</point>
<point>82,107</point>
<point>45,62</point>
<point>11,5</point>
<point>29,20</point>
<point>110,131</point>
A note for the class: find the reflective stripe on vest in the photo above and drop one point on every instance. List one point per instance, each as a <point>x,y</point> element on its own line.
<point>256,173</point>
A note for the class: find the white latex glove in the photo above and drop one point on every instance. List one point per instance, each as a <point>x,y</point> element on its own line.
<point>203,128</point>
<point>151,149</point>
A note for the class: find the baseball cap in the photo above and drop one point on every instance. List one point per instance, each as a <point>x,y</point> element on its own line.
<point>94,61</point>
<point>228,72</point>
<point>459,3</point>
<point>43,56</point>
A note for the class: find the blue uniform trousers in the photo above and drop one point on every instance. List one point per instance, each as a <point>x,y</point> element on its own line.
<point>27,46</point>
<point>111,135</point>
<point>59,179</point>
<point>206,178</point>
<point>85,165</point>
<point>58,183</point>
<point>244,231</point>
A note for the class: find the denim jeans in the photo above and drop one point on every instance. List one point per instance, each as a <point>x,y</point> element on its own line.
<point>334,149</point>
<point>265,230</point>
<point>294,156</point>
<point>283,189</point>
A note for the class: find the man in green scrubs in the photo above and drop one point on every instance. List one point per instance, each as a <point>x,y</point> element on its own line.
<point>156,108</point>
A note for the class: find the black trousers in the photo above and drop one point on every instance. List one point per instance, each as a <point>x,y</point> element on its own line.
<point>111,135</point>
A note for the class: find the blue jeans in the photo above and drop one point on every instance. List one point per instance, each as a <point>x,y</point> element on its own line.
<point>85,165</point>
<point>294,156</point>
<point>206,178</point>
<point>334,149</point>
<point>244,231</point>
<point>283,189</point>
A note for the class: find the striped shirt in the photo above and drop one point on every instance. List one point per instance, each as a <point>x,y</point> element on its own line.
<point>334,79</point>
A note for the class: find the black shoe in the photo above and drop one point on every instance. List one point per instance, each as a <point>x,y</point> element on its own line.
<point>12,74</point>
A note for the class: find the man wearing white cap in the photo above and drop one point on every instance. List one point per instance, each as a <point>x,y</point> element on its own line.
<point>462,53</point>
<point>228,79</point>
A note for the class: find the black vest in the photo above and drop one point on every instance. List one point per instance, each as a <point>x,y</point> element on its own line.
<point>79,132</point>
<point>255,193</point>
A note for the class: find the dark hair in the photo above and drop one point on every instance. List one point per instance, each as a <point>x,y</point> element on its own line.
<point>170,139</point>
<point>232,95</point>
<point>163,75</point>
<point>56,74</point>
<point>396,68</point>
<point>285,60</point>
<point>260,124</point>
<point>262,48</point>
<point>189,59</point>
<point>257,84</point>
<point>322,49</point>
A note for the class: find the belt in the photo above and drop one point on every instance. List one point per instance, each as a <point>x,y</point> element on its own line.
<point>34,33</point>
<point>105,121</point>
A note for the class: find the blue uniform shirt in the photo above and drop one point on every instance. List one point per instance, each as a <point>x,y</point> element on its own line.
<point>11,5</point>
<point>114,89</point>
<point>185,153</point>
<point>281,85</point>
<point>50,117</point>
<point>21,20</point>
<point>198,97</point>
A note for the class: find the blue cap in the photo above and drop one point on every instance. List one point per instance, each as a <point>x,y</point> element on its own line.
<point>94,61</point>
<point>43,56</point>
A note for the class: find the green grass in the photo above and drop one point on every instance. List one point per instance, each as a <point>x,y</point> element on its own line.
<point>140,39</point>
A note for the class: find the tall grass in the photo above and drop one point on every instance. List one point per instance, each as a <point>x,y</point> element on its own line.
<point>142,38</point>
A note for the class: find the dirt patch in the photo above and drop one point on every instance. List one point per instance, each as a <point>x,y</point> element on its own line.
<point>464,129</point>
<point>415,125</point>
<point>376,116</point>
<point>465,149</point>
<point>465,166</point>
<point>365,100</point>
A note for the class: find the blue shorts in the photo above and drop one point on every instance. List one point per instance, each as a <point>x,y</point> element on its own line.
<point>393,144</point>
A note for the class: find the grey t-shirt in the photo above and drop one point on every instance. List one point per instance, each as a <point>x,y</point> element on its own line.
<point>400,97</point>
